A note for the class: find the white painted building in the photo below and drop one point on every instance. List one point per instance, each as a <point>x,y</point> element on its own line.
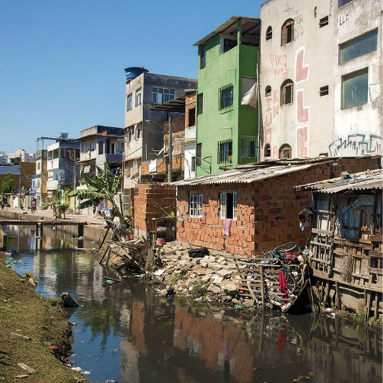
<point>320,78</point>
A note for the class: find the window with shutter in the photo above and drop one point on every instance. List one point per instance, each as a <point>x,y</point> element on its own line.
<point>287,32</point>
<point>287,92</point>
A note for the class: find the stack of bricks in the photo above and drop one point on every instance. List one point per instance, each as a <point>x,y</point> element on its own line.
<point>267,211</point>
<point>152,201</point>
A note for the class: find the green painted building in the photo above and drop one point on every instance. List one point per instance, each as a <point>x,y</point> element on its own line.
<point>227,105</point>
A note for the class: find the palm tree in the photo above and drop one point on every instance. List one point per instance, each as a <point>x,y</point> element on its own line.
<point>102,187</point>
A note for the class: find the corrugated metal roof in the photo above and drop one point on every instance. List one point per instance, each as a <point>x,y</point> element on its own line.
<point>368,180</point>
<point>245,174</point>
<point>14,169</point>
<point>250,26</point>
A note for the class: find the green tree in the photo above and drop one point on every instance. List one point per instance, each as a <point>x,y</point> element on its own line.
<point>102,187</point>
<point>6,185</point>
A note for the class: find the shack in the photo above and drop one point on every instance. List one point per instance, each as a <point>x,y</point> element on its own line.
<point>254,206</point>
<point>346,241</point>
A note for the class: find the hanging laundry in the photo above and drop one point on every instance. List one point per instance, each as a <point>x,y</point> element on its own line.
<point>226,227</point>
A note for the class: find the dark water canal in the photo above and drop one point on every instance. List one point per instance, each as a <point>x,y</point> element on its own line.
<point>125,332</point>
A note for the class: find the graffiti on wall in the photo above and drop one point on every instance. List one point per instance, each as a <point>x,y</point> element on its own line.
<point>279,65</point>
<point>272,107</point>
<point>356,145</point>
<point>303,112</point>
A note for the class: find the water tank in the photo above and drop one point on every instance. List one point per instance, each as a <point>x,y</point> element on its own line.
<point>63,135</point>
<point>134,71</point>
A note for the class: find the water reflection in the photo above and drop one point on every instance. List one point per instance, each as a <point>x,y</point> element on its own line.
<point>127,333</point>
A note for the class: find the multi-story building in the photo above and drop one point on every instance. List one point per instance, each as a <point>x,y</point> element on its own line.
<point>41,177</point>
<point>21,156</point>
<point>321,78</point>
<point>227,109</point>
<point>100,144</point>
<point>62,168</point>
<point>3,158</point>
<point>143,126</point>
<point>190,133</point>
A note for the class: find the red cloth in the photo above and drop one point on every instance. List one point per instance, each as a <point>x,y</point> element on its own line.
<point>282,285</point>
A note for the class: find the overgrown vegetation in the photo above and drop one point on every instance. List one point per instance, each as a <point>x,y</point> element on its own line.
<point>178,277</point>
<point>60,203</point>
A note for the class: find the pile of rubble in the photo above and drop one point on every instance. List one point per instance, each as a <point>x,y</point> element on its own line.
<point>209,277</point>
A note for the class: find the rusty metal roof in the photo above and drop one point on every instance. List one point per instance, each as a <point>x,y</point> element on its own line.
<point>246,174</point>
<point>368,180</point>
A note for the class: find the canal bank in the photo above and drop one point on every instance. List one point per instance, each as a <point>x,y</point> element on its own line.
<point>35,337</point>
<point>93,228</point>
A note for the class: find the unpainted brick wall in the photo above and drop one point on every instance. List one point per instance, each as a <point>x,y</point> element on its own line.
<point>267,213</point>
<point>150,201</point>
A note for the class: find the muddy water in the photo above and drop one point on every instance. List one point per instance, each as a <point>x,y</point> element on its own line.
<point>125,332</point>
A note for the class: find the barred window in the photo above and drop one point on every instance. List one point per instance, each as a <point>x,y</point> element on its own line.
<point>225,151</point>
<point>269,33</point>
<point>129,101</point>
<point>226,97</point>
<point>195,205</point>
<point>248,146</point>
<point>200,103</point>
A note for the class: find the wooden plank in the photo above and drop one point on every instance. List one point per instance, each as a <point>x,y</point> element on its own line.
<point>262,288</point>
<point>321,231</point>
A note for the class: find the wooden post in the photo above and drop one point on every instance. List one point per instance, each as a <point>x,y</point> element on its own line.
<point>338,301</point>
<point>262,286</point>
<point>376,306</point>
<point>103,240</point>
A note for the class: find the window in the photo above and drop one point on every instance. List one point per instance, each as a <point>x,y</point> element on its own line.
<point>285,151</point>
<point>228,205</point>
<point>287,92</point>
<point>225,150</point>
<point>137,132</point>
<point>287,32</point>
<point>199,155</point>
<point>248,146</point>
<point>268,91</point>
<point>129,102</point>
<point>202,56</point>
<point>129,134</point>
<point>200,103</point>
<point>92,146</point>
<point>227,44</point>
<point>343,2</point>
<point>101,147</point>
<point>139,96</point>
<point>323,90</point>
<point>358,47</point>
<point>191,121</point>
<point>161,95</point>
<point>38,166</point>
<point>83,148</point>
<point>226,97</point>
<point>193,164</point>
<point>195,205</point>
<point>269,33</point>
<point>267,151</point>
<point>355,89</point>
<point>323,22</point>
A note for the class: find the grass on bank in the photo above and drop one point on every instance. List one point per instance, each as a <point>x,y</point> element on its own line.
<point>24,312</point>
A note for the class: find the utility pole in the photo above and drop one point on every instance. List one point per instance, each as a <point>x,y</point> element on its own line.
<point>170,151</point>
<point>20,185</point>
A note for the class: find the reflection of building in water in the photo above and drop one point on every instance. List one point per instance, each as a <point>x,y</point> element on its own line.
<point>220,346</point>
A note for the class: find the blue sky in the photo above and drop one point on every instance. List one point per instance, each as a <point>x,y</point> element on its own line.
<point>62,62</point>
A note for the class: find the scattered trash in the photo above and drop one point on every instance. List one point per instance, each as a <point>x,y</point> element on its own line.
<point>329,310</point>
<point>67,300</point>
<point>159,272</point>
<point>52,347</point>
<point>78,369</point>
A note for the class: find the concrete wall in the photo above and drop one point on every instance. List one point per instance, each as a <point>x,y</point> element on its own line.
<point>307,123</point>
<point>215,125</point>
<point>151,136</point>
<point>358,130</point>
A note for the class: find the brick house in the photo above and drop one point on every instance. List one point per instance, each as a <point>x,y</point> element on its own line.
<point>256,204</point>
